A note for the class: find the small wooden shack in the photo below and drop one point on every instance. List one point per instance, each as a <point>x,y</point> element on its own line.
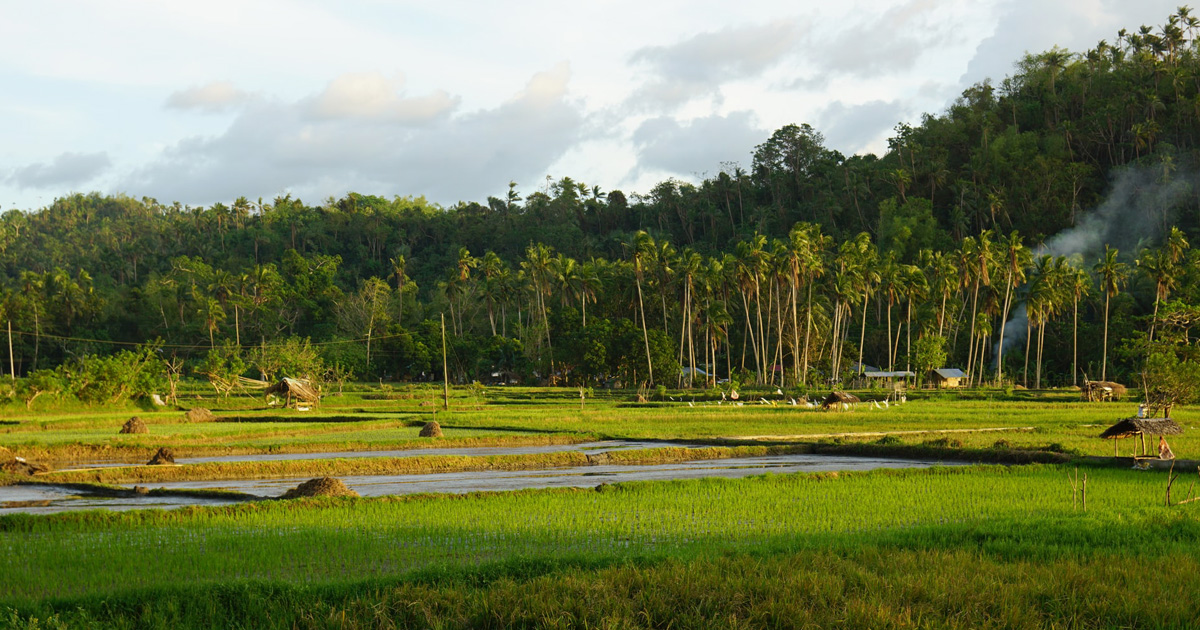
<point>836,398</point>
<point>1101,391</point>
<point>294,391</point>
<point>947,378</point>
<point>1135,427</point>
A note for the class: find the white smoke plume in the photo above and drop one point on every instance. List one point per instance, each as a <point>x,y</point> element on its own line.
<point>1138,210</point>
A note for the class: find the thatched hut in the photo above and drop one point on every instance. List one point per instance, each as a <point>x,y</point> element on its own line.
<point>294,391</point>
<point>836,398</point>
<point>1101,391</point>
<point>1135,427</point>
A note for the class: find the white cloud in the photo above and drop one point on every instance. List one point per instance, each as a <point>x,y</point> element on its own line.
<point>368,142</point>
<point>852,128</point>
<point>406,97</point>
<point>65,170</point>
<point>212,97</point>
<point>696,146</point>
<point>370,95</point>
<point>1033,26</point>
<point>698,65</point>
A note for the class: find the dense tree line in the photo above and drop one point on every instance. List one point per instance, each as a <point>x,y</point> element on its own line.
<point>792,270</point>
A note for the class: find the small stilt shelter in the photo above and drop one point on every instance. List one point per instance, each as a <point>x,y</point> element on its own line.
<point>1140,427</point>
<point>836,398</point>
<point>1101,391</point>
<point>294,391</point>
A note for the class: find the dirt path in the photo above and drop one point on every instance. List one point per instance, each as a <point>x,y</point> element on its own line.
<point>818,436</point>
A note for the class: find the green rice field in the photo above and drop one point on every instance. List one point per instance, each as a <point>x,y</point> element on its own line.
<point>993,545</point>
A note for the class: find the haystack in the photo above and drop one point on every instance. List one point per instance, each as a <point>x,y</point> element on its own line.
<point>163,456</point>
<point>135,425</point>
<point>431,430</point>
<point>320,487</point>
<point>198,414</point>
<point>1140,427</point>
<point>835,398</point>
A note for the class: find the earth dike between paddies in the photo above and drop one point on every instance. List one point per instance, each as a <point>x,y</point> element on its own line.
<point>340,467</point>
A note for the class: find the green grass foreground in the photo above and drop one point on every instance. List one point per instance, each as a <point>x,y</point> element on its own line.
<point>983,546</point>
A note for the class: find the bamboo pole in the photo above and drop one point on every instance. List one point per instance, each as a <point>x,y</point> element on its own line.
<point>445,369</point>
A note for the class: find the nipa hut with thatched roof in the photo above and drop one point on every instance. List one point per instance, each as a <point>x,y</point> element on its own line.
<point>294,391</point>
<point>1101,391</point>
<point>1135,427</point>
<point>835,399</point>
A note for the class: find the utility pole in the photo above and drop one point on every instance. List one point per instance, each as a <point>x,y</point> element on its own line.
<point>12,365</point>
<point>445,369</point>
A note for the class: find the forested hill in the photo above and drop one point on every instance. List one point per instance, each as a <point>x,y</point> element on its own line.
<point>1031,154</point>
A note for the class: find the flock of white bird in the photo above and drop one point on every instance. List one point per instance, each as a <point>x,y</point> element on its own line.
<point>732,399</point>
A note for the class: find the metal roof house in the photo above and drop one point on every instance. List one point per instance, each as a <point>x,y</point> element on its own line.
<point>944,378</point>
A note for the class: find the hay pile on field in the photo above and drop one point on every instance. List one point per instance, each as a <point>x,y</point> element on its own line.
<point>320,487</point>
<point>135,425</point>
<point>431,430</point>
<point>163,456</point>
<point>13,465</point>
<point>198,414</point>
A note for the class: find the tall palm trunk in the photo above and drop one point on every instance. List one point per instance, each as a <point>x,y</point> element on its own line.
<point>1104,363</point>
<point>1075,344</point>
<point>1041,344</point>
<point>862,336</point>
<point>795,332</point>
<point>808,318</point>
<point>753,338</point>
<point>891,358</point>
<point>834,335</point>
<point>1028,335</point>
<point>971,378</point>
<point>1003,321</point>
<point>645,332</point>
<point>762,341</point>
<point>908,338</point>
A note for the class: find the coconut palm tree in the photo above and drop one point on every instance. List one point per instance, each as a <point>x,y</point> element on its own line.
<point>980,260</point>
<point>1113,275</point>
<point>398,264</point>
<point>642,248</point>
<point>1016,260</point>
<point>916,288</point>
<point>491,265</point>
<point>1080,284</point>
<point>1162,266</point>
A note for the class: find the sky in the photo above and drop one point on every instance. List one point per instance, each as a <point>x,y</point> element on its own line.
<point>203,102</point>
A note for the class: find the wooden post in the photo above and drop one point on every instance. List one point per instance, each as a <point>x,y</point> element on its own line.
<point>1084,497</point>
<point>12,365</point>
<point>445,369</point>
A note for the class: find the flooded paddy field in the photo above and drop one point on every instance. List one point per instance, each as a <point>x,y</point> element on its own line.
<point>49,498</point>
